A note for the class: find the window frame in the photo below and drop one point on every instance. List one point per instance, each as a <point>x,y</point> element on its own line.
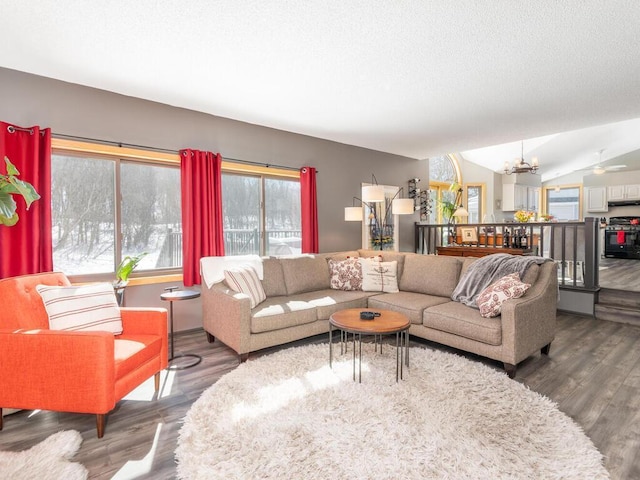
<point>545,198</point>
<point>262,220</point>
<point>440,186</point>
<point>149,156</point>
<point>481,199</point>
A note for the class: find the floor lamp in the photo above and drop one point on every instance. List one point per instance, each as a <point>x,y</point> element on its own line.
<point>371,195</point>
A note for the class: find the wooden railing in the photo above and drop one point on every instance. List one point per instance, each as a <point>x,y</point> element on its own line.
<point>236,242</point>
<point>574,246</point>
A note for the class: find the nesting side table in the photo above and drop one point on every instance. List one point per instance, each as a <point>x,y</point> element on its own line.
<point>171,296</point>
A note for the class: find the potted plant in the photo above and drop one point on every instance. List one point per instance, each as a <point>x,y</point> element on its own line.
<point>448,207</point>
<point>10,185</point>
<point>127,265</point>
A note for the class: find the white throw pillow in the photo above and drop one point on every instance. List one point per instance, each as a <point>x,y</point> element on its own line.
<point>82,308</point>
<point>379,276</point>
<point>245,280</point>
<point>491,298</point>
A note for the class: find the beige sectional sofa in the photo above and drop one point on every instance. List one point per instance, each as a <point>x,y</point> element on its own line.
<point>299,301</point>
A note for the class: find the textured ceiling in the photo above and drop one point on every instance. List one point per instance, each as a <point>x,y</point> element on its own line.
<point>415,78</point>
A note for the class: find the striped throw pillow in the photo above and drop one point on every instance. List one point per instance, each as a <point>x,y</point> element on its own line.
<point>245,280</point>
<point>82,308</point>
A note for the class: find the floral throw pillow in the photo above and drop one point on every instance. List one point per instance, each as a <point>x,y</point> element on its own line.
<point>345,274</point>
<point>491,299</point>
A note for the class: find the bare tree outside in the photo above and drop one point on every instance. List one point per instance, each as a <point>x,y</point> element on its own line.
<point>84,215</point>
<point>244,227</point>
<point>86,222</point>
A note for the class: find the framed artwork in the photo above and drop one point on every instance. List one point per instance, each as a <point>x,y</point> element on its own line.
<point>379,225</point>
<point>469,235</point>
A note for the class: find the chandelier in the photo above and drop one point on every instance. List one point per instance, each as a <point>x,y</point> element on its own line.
<point>520,166</point>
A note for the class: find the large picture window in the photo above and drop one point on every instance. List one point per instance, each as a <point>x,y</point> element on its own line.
<point>261,215</point>
<point>92,232</point>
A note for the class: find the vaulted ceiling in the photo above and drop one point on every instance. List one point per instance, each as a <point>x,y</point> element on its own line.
<point>416,78</point>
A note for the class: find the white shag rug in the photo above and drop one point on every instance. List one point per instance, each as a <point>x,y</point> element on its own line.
<point>48,460</point>
<point>288,415</point>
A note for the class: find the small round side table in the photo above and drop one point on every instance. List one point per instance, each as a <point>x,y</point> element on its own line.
<point>171,296</point>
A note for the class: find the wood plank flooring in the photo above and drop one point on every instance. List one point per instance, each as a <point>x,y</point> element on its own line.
<point>620,274</point>
<point>592,372</point>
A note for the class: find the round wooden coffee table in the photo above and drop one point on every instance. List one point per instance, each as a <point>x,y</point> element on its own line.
<point>387,323</point>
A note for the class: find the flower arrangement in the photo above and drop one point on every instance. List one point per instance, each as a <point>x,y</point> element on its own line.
<point>545,217</point>
<point>523,216</point>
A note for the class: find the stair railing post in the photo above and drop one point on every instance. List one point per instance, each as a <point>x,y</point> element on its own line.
<point>591,252</point>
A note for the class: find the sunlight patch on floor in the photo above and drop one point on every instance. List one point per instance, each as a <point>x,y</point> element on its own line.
<point>137,468</point>
<point>274,397</point>
<point>145,392</point>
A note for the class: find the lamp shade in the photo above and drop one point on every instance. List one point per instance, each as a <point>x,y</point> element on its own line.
<point>373,193</point>
<point>402,206</point>
<point>353,214</point>
<point>461,212</point>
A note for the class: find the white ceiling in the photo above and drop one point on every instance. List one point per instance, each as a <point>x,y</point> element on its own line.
<point>416,78</point>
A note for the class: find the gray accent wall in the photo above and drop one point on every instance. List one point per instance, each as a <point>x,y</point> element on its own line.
<point>70,109</point>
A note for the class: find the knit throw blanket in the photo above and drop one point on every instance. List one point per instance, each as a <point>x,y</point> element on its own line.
<point>487,270</point>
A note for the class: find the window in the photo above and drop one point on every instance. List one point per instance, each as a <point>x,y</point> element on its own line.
<point>272,230</point>
<point>92,233</point>
<point>444,172</point>
<point>564,203</point>
<point>241,213</point>
<point>444,169</point>
<point>83,215</point>
<point>474,204</point>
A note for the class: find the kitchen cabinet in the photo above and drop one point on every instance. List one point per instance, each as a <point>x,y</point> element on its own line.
<point>617,193</point>
<point>533,199</point>
<point>597,199</point>
<point>632,192</point>
<point>520,197</point>
<point>514,197</point>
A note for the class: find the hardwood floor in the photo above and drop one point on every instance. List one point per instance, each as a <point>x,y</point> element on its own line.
<point>592,372</point>
<point>620,274</point>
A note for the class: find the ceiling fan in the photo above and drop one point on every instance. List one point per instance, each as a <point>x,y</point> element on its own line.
<point>599,169</point>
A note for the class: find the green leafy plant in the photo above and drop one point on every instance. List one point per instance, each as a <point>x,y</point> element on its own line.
<point>127,265</point>
<point>447,207</point>
<point>10,185</point>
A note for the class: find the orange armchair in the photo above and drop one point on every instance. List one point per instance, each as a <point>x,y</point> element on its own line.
<point>81,372</point>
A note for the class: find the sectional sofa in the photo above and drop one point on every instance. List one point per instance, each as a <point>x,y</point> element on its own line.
<point>299,301</point>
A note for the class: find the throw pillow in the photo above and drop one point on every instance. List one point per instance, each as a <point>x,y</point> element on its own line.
<point>245,280</point>
<point>379,276</point>
<point>491,298</point>
<point>82,308</point>
<point>346,274</point>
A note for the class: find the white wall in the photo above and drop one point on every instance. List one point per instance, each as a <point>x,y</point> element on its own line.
<point>474,173</point>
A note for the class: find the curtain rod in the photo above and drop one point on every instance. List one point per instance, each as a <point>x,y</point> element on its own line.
<point>166,150</point>
<point>13,128</point>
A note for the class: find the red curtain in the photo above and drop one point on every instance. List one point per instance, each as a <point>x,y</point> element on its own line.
<point>309,210</point>
<point>26,247</point>
<point>202,234</point>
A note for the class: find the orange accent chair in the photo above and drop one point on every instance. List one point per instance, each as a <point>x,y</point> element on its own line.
<point>81,372</point>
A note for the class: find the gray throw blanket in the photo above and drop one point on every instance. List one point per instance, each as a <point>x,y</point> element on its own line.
<point>487,270</point>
